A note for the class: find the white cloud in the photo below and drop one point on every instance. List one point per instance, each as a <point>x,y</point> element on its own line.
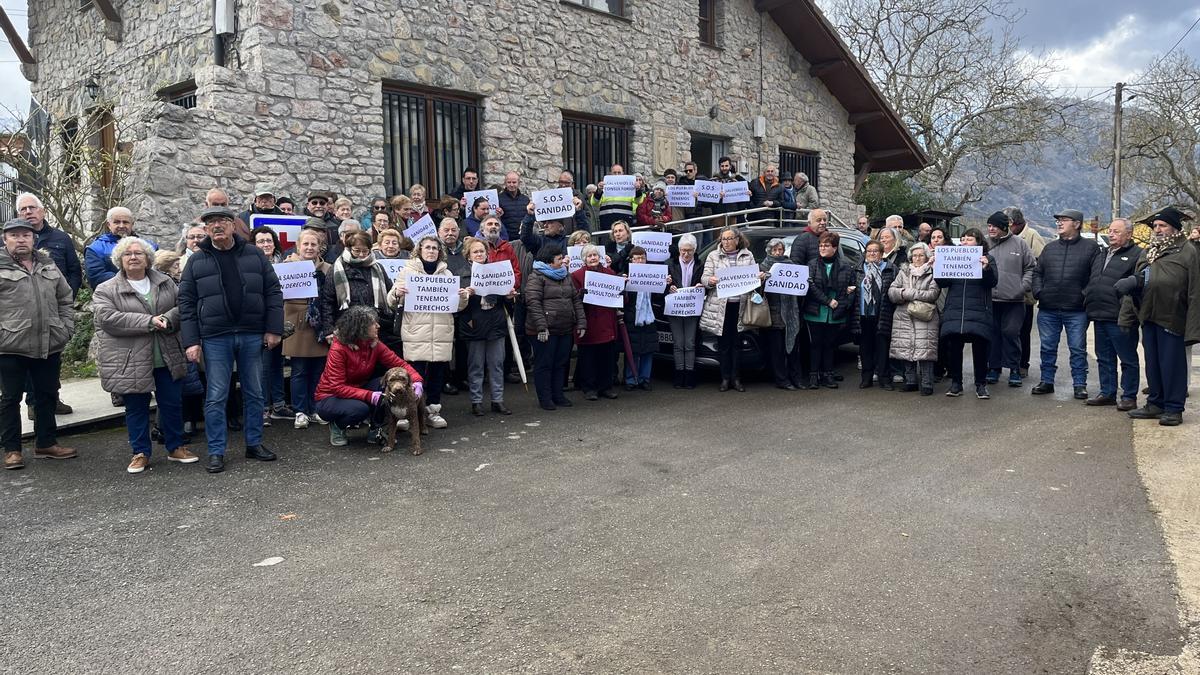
<point>14,88</point>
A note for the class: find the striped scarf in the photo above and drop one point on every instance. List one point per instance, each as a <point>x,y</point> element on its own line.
<point>341,284</point>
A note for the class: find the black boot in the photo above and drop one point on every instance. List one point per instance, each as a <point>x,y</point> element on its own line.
<point>724,385</point>
<point>814,382</point>
<point>828,382</point>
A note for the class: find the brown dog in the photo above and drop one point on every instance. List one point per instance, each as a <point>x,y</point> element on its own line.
<point>403,404</point>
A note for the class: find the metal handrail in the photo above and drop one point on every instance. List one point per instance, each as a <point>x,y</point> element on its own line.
<point>778,220</point>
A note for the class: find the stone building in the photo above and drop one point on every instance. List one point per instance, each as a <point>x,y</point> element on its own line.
<point>365,97</point>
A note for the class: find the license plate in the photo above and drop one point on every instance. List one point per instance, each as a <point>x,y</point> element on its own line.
<point>665,337</point>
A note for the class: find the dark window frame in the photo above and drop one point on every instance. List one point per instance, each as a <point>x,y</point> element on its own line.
<point>582,133</point>
<point>708,22</point>
<point>182,94</point>
<point>796,160</point>
<point>443,137</point>
<point>622,8</point>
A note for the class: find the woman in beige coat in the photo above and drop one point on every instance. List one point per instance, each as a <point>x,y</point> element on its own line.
<point>304,347</point>
<point>722,316</point>
<point>428,337</point>
<point>137,318</point>
<point>915,340</point>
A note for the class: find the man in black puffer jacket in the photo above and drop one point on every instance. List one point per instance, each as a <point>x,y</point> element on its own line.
<point>230,308</point>
<point>1103,306</point>
<point>1062,272</point>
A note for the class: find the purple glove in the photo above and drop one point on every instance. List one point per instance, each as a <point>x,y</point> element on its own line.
<point>375,397</point>
<point>418,389</point>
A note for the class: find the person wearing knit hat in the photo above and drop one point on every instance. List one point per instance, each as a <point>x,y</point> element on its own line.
<point>654,212</point>
<point>1014,279</point>
<point>1062,272</point>
<point>1168,271</point>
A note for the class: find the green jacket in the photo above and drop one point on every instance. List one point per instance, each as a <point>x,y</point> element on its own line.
<point>1171,296</point>
<point>37,315</point>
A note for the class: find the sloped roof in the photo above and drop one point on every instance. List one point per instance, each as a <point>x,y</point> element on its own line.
<point>881,137</point>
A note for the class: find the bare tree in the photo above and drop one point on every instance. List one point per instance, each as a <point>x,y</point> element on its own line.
<point>955,73</point>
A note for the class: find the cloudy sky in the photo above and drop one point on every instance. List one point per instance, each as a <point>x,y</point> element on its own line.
<point>1095,42</point>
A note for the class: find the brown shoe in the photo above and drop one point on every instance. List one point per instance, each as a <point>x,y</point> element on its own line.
<point>13,460</point>
<point>182,455</point>
<point>138,463</point>
<point>55,452</point>
<point>1127,404</point>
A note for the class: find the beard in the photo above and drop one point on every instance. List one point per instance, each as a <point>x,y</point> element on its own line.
<point>492,237</point>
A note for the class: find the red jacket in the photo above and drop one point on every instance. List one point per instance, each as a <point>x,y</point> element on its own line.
<point>601,321</point>
<point>645,214</point>
<point>504,251</point>
<point>347,370</point>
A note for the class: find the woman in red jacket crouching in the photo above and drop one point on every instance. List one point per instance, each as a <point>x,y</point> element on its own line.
<point>350,391</point>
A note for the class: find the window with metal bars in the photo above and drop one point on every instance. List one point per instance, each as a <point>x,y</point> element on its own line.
<point>591,146</point>
<point>708,22</point>
<point>428,138</point>
<point>182,94</point>
<point>801,161</point>
<point>616,7</point>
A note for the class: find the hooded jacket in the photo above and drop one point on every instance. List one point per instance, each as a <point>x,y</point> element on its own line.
<point>1168,291</point>
<point>427,336</point>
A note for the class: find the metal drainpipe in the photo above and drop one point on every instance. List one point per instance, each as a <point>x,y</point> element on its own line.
<point>218,49</point>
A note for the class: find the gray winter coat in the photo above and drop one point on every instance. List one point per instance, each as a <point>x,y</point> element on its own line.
<point>37,316</point>
<point>1014,268</point>
<point>127,336</point>
<point>913,340</point>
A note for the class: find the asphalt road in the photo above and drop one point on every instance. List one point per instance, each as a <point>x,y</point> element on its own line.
<point>837,531</point>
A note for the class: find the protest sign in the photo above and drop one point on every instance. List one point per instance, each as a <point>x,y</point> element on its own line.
<point>958,262</point>
<point>392,266</point>
<point>492,196</point>
<point>683,196</point>
<point>736,192</point>
<point>424,227</point>
<point>603,289</point>
<point>737,280</point>
<point>657,245</point>
<point>574,258</point>
<point>553,204</point>
<point>297,279</point>
<point>642,277</point>
<point>493,278</point>
<point>618,186</point>
<point>685,302</point>
<point>434,293</point>
<point>708,191</point>
<point>287,227</point>
<point>788,279</point>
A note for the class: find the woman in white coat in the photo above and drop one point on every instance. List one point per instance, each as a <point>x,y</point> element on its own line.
<point>722,316</point>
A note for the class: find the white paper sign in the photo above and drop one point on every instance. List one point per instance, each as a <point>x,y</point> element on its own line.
<point>604,290</point>
<point>643,277</point>
<point>708,191</point>
<point>553,204</point>
<point>788,279</point>
<point>492,197</point>
<point>657,245</point>
<point>736,192</point>
<point>287,227</point>
<point>682,196</point>
<point>392,266</point>
<point>685,302</point>
<point>495,278</point>
<point>298,279</point>
<point>574,258</point>
<point>958,262</point>
<point>618,186</point>
<point>424,227</point>
<point>434,293</point>
<point>737,280</point>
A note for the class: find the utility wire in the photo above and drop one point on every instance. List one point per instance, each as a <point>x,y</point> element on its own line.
<point>1177,42</point>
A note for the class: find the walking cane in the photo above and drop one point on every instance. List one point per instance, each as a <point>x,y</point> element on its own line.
<point>512,337</point>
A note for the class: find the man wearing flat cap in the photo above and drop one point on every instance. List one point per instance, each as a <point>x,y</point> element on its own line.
<point>37,318</point>
<point>1165,294</point>
<point>1062,272</point>
<point>264,203</point>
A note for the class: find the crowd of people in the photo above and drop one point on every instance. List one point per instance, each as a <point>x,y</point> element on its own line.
<point>204,329</point>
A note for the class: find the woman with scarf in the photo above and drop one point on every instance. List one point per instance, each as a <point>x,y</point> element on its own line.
<point>893,252</point>
<point>643,337</point>
<point>722,317</point>
<point>1166,301</point>
<point>483,328</point>
<point>304,346</point>
<point>967,317</point>
<point>779,341</point>
<point>356,278</point>
<point>915,320</point>
<point>828,307</point>
<point>655,212</point>
<point>554,316</point>
<point>684,271</point>
<point>428,337</point>
<point>617,247</point>
<point>875,277</point>
<point>597,356</point>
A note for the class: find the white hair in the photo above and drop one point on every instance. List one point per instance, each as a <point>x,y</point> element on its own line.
<point>802,176</point>
<point>893,221</point>
<point>29,195</point>
<point>347,224</point>
<point>588,249</point>
<point>124,244</point>
<point>687,240</point>
<point>116,211</point>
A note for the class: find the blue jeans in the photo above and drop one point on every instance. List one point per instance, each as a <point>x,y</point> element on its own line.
<point>644,363</point>
<point>306,373</point>
<point>169,394</point>
<point>350,412</point>
<point>1113,343</point>
<point>272,377</point>
<point>1050,323</point>
<point>220,353</point>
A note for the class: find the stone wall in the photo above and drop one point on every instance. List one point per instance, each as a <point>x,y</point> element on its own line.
<point>300,103</point>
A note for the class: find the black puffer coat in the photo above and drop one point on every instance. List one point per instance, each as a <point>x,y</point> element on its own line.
<point>203,311</point>
<point>968,309</point>
<point>805,248</point>
<point>1062,272</point>
<point>824,287</point>
<point>1100,299</point>
<point>361,293</point>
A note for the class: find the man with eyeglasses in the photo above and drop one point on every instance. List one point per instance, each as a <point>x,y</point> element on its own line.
<point>468,182</point>
<point>1063,271</point>
<point>264,203</point>
<point>378,205</point>
<point>98,255</point>
<point>318,207</point>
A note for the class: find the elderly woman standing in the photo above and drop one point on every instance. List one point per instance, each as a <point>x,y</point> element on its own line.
<point>137,315</point>
<point>553,317</point>
<point>967,317</point>
<point>598,346</point>
<point>828,307</point>
<point>875,277</point>
<point>304,346</point>
<point>893,251</point>
<point>428,337</point>
<point>780,339</point>
<point>722,316</point>
<point>915,320</point>
<point>684,271</point>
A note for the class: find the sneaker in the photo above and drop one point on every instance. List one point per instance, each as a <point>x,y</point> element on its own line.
<point>981,391</point>
<point>13,460</point>
<point>1014,379</point>
<point>266,418</point>
<point>317,418</point>
<point>993,376</point>
<point>434,410</point>
<point>955,390</point>
<point>182,455</point>
<point>138,463</point>
<point>283,412</point>
<point>337,436</point>
<point>301,421</point>
<point>55,452</point>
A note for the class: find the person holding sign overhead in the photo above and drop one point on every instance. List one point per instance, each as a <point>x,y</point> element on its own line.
<point>304,346</point>
<point>828,307</point>
<point>428,337</point>
<point>684,271</point>
<point>722,316</point>
<point>598,347</point>
<point>967,317</point>
<point>617,204</point>
<point>554,316</point>
<point>484,329</point>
